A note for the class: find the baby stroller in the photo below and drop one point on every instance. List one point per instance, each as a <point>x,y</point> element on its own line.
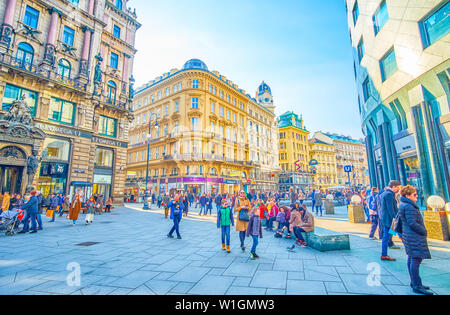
<point>9,222</point>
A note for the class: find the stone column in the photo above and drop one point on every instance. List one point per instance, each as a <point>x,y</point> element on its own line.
<point>50,48</point>
<point>84,62</point>
<point>91,7</point>
<point>7,28</point>
<point>125,73</point>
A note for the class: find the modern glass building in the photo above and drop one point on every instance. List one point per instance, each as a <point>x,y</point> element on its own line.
<point>401,55</point>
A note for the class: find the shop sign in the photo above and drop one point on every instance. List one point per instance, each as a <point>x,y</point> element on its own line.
<point>102,179</point>
<point>110,142</point>
<point>378,154</point>
<point>53,169</point>
<point>63,130</point>
<point>231,182</point>
<point>405,144</point>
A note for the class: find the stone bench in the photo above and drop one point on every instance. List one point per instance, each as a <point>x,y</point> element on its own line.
<point>325,240</point>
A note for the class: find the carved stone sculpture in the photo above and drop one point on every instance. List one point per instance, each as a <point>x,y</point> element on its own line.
<point>19,112</point>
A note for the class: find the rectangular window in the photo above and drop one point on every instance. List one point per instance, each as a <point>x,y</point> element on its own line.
<point>116,31</point>
<point>380,18</point>
<point>361,50</point>
<point>104,158</point>
<point>195,124</point>
<point>31,17</point>
<point>435,26</point>
<point>61,111</point>
<point>221,112</point>
<point>195,84</point>
<point>388,65</point>
<point>107,126</point>
<point>68,36</point>
<point>355,13</point>
<point>195,102</point>
<point>213,108</point>
<point>14,93</point>
<point>177,106</point>
<point>367,90</point>
<point>114,60</point>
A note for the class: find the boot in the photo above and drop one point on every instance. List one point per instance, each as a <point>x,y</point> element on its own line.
<point>228,249</point>
<point>223,246</point>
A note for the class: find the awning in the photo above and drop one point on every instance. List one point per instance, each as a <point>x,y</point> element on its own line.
<point>80,184</point>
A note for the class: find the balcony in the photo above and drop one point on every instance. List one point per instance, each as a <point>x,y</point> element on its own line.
<point>114,103</point>
<point>44,73</point>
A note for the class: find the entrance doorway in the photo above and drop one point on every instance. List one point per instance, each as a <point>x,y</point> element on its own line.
<point>11,179</point>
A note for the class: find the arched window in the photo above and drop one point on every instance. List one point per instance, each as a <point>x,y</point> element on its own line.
<point>64,69</point>
<point>25,55</point>
<point>112,89</point>
<point>119,4</point>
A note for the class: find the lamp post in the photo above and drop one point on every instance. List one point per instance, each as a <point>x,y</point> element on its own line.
<point>148,158</point>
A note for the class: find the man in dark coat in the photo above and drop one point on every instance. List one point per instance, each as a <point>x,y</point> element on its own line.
<point>31,207</point>
<point>389,210</point>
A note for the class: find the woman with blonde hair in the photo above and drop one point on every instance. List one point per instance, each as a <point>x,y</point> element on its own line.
<point>242,208</point>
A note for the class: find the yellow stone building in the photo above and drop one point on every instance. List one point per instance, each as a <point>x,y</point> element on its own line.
<point>206,134</point>
<point>348,152</point>
<point>325,173</point>
<point>293,153</point>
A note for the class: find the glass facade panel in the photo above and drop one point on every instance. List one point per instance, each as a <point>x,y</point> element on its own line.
<point>436,26</point>
<point>381,17</point>
<point>388,65</point>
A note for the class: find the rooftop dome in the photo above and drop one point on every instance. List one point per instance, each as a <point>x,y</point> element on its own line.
<point>195,64</point>
<point>263,88</point>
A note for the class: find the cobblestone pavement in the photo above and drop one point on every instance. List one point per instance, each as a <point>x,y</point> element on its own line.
<point>134,256</point>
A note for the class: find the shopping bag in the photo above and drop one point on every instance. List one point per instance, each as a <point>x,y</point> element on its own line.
<point>49,213</point>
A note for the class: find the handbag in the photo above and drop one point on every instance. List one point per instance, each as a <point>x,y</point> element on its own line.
<point>49,213</point>
<point>243,214</point>
<point>397,224</point>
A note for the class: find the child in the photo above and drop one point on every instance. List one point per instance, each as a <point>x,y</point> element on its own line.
<point>90,210</point>
<point>225,219</point>
<point>255,231</point>
<point>281,219</point>
<point>273,212</point>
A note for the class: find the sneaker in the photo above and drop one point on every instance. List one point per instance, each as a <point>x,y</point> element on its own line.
<point>243,248</point>
<point>252,257</point>
<point>291,248</point>
<point>256,255</point>
<point>169,236</point>
<point>373,238</point>
<point>422,286</point>
<point>387,258</point>
<point>394,247</point>
<point>179,237</point>
<point>32,232</point>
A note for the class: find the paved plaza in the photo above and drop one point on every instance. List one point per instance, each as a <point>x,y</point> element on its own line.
<point>134,256</point>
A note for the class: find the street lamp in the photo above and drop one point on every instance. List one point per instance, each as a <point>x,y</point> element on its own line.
<point>148,158</point>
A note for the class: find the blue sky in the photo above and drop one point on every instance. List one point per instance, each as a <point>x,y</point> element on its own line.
<point>300,48</point>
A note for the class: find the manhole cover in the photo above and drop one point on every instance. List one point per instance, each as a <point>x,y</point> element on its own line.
<point>87,244</point>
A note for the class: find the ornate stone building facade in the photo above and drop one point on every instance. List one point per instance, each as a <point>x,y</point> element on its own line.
<point>206,134</point>
<point>53,55</point>
<point>325,173</point>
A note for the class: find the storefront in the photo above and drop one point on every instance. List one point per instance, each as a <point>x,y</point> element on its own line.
<point>103,172</point>
<point>54,168</point>
<point>83,189</point>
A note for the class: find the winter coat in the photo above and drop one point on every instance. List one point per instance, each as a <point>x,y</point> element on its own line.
<point>173,206</point>
<point>254,227</point>
<point>225,217</point>
<point>414,233</point>
<point>203,200</point>
<point>90,207</point>
<point>318,199</point>
<point>307,222</point>
<point>40,202</point>
<point>32,205</point>
<point>296,220</point>
<point>55,202</point>
<point>273,211</point>
<point>389,208</point>
<point>6,202</point>
<point>241,203</point>
<point>281,217</point>
<point>75,209</point>
<point>66,204</point>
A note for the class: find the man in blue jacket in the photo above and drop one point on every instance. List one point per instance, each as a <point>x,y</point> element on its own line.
<point>31,207</point>
<point>203,202</point>
<point>389,210</point>
<point>176,213</point>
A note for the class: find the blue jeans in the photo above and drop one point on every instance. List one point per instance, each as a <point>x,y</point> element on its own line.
<point>386,241</point>
<point>413,269</point>
<point>255,243</point>
<point>313,204</point>
<point>270,223</point>
<point>28,217</point>
<point>319,208</point>
<point>242,238</point>
<point>218,208</point>
<point>39,220</point>
<point>366,211</point>
<point>374,219</point>
<point>298,233</point>
<point>226,234</point>
<point>202,209</point>
<point>176,225</point>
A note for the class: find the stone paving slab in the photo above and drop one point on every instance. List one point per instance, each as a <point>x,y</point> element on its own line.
<point>134,256</point>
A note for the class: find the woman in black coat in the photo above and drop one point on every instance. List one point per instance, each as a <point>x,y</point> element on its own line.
<point>414,237</point>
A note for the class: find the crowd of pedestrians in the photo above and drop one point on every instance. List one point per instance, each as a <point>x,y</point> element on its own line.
<point>35,206</point>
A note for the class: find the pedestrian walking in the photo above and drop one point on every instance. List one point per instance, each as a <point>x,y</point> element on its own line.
<point>90,210</point>
<point>414,237</point>
<point>166,201</point>
<point>225,219</point>
<point>242,208</point>
<point>254,230</point>
<point>372,205</point>
<point>389,210</point>
<point>31,208</point>
<point>108,205</point>
<point>75,209</point>
<point>318,202</point>
<point>176,214</point>
<point>40,199</point>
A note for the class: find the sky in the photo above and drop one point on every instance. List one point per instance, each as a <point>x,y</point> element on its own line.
<point>300,48</point>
